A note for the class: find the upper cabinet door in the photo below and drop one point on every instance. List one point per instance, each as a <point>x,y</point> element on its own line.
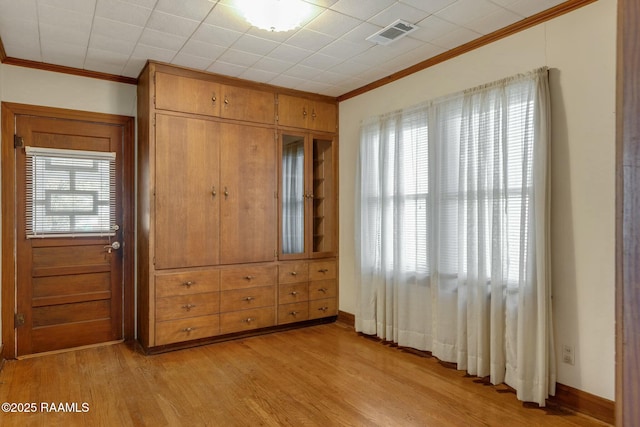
<point>248,212</point>
<point>247,104</point>
<point>307,114</point>
<point>177,93</point>
<point>187,192</point>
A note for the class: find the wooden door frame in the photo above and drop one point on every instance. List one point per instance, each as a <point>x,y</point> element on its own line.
<point>9,111</point>
<point>628,215</point>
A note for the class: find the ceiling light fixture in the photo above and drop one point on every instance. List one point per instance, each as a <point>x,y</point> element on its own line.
<point>274,15</point>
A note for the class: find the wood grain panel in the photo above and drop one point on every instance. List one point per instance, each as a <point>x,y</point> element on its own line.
<point>44,287</point>
<point>293,111</point>
<point>183,306</point>
<point>185,283</point>
<point>187,329</point>
<point>177,93</point>
<point>294,292</point>
<point>293,273</point>
<point>245,320</point>
<point>68,313</point>
<point>628,215</point>
<point>70,256</point>
<point>246,298</point>
<point>290,313</point>
<point>55,337</point>
<point>247,277</point>
<point>324,116</point>
<point>250,105</point>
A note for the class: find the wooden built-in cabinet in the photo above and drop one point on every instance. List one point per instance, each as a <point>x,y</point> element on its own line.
<point>212,261</point>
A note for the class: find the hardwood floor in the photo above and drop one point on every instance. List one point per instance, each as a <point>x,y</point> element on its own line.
<point>324,375</point>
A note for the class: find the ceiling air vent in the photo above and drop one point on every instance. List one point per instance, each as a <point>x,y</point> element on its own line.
<point>392,32</point>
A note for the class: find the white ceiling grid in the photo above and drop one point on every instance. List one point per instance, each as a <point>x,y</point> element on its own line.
<point>329,54</point>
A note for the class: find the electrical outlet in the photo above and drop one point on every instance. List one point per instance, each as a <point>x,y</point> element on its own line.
<point>567,354</point>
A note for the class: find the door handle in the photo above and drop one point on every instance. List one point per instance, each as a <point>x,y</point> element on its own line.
<point>112,247</point>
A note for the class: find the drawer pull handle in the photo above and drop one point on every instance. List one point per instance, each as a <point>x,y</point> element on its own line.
<point>294,293</point>
<point>248,299</point>
<point>323,290</point>
<point>187,330</point>
<point>294,273</point>
<point>323,308</point>
<point>213,99</point>
<point>188,307</point>
<point>294,313</point>
<point>249,320</point>
<point>188,284</point>
<point>323,270</point>
<point>249,277</point>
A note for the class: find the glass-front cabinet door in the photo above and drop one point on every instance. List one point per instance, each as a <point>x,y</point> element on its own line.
<point>307,196</point>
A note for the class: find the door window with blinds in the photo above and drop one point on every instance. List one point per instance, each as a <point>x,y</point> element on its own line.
<point>70,193</point>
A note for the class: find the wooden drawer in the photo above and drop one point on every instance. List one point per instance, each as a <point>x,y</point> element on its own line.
<point>296,292</point>
<point>187,329</point>
<point>245,298</point>
<point>293,273</point>
<point>320,289</point>
<point>187,283</point>
<point>183,306</point>
<point>245,320</point>
<point>188,95</point>
<point>247,277</point>
<point>323,308</point>
<point>289,313</point>
<point>322,270</point>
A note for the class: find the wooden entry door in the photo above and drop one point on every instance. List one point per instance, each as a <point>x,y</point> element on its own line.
<point>69,285</point>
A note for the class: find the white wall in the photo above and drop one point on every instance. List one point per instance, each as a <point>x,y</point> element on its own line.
<point>44,88</point>
<point>580,49</point>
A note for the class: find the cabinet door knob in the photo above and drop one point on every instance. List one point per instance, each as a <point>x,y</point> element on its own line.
<point>226,192</point>
<point>213,99</point>
<point>323,270</point>
<point>249,320</point>
<point>249,277</point>
<point>188,307</point>
<point>293,313</point>
<point>188,284</point>
<point>294,273</point>
<point>226,101</point>
<point>304,112</point>
<point>323,290</point>
<point>213,191</point>
<point>187,330</point>
<point>294,293</point>
<point>248,299</point>
<point>323,308</point>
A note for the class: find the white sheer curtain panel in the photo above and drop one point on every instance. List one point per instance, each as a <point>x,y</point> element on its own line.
<point>293,197</point>
<point>454,232</point>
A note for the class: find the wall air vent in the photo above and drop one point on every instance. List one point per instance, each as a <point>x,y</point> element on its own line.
<point>393,32</point>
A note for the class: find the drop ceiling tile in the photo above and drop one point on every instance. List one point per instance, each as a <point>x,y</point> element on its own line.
<point>228,17</point>
<point>86,7</point>
<point>494,21</point>
<point>455,38</point>
<point>155,38</point>
<point>149,4</point>
<point>309,40</point>
<point>289,53</point>
<point>64,34</point>
<point>432,28</point>
<point>252,44</point>
<point>196,10</point>
<point>344,49</point>
<point>398,11</point>
<point>333,24</point>
<point>70,55</point>
<point>110,44</point>
<point>360,33</point>
<point>104,61</point>
<point>143,51</point>
<point>26,49</point>
<point>284,80</point>
<point>329,77</point>
<point>275,36</point>
<point>465,11</point>
<point>134,67</point>
<point>377,56</point>
<point>240,58</point>
<point>203,50</point>
<point>320,61</point>
<point>64,18</point>
<point>350,68</point>
<point>226,69</point>
<point>24,9</point>
<point>528,8</point>
<point>316,87</point>
<point>216,35</point>
<point>272,65</point>
<point>431,6</point>
<point>18,28</point>
<point>322,3</point>
<point>116,30</point>
<point>359,9</point>
<point>299,71</point>
<point>129,13</point>
<point>257,75</point>
<point>192,61</point>
<point>172,24</point>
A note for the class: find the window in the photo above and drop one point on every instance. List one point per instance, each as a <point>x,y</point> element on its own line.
<point>70,193</point>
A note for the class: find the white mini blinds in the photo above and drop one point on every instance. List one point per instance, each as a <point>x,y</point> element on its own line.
<point>70,193</point>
